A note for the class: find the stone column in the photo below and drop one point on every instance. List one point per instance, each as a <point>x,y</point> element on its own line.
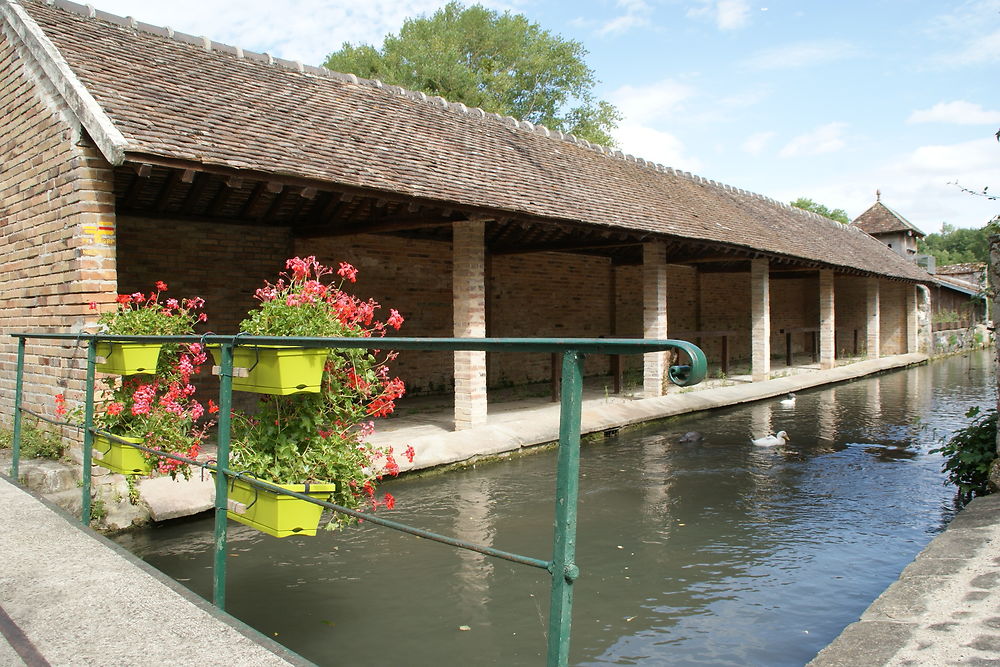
<point>654,314</point>
<point>469,315</point>
<point>760,316</point>
<point>873,322</point>
<point>925,330</point>
<point>827,324</point>
<point>912,324</point>
<point>992,283</point>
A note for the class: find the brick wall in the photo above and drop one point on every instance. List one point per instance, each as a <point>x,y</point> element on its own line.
<point>412,276</point>
<point>55,189</point>
<point>851,314</point>
<point>223,264</point>
<point>552,295</point>
<point>794,305</point>
<point>892,304</point>
<point>725,305</point>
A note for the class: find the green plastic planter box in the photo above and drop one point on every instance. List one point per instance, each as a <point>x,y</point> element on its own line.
<point>128,358</point>
<point>120,458</point>
<point>274,514</point>
<point>276,369</point>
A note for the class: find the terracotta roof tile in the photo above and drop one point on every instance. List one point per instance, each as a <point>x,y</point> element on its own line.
<point>880,219</point>
<point>177,96</point>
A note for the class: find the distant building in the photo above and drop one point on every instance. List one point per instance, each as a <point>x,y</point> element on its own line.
<point>890,228</point>
<point>958,291</point>
<point>970,272</point>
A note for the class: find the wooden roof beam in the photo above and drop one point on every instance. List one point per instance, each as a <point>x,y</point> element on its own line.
<point>560,247</point>
<point>194,193</point>
<point>168,187</point>
<point>381,226</point>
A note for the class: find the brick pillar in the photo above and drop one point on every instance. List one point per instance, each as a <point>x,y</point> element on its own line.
<point>760,316</point>
<point>827,325</point>
<point>912,326</point>
<point>654,314</point>
<point>469,313</point>
<point>873,323</point>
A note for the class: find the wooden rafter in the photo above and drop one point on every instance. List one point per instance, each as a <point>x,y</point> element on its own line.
<point>525,248</point>
<point>194,193</point>
<point>166,190</point>
<point>253,199</point>
<point>275,206</point>
<point>381,226</point>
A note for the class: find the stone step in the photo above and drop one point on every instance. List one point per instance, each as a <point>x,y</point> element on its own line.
<point>70,500</point>
<point>45,476</point>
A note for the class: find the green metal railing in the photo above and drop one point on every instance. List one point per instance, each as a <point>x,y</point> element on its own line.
<point>561,567</point>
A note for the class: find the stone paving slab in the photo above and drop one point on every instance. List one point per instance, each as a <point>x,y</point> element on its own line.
<point>81,600</point>
<point>943,610</point>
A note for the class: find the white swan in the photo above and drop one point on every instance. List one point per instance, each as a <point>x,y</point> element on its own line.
<point>788,401</point>
<point>772,440</point>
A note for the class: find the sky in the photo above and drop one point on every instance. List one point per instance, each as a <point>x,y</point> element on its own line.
<point>830,100</point>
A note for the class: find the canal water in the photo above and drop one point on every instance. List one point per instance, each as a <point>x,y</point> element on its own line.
<point>712,553</point>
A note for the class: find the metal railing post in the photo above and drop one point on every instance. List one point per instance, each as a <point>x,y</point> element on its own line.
<point>18,392</point>
<point>221,482</point>
<point>88,432</point>
<point>564,569</point>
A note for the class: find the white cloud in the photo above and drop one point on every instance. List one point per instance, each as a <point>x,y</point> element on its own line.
<point>958,112</point>
<point>656,101</point>
<point>824,139</point>
<point>963,159</point>
<point>305,30</point>
<point>968,33</point>
<point>802,54</point>
<point>757,142</point>
<point>732,14</point>
<point>979,50</point>
<point>919,184</point>
<point>655,145</point>
<point>636,15</point>
<point>727,14</point>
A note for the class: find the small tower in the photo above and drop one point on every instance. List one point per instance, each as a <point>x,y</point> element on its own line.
<point>890,228</point>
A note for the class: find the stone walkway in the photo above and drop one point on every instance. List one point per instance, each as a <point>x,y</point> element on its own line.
<point>70,597</point>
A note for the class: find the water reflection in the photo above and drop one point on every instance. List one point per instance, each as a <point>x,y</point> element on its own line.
<point>715,552</point>
<point>873,401</point>
<point>473,522</point>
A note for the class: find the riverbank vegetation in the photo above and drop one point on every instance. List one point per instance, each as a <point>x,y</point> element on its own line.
<point>970,453</point>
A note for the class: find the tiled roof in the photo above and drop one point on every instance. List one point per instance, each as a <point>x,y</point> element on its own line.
<point>968,267</point>
<point>880,219</point>
<point>175,96</point>
<point>959,285</point>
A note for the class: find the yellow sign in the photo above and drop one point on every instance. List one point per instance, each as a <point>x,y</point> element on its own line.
<point>101,233</point>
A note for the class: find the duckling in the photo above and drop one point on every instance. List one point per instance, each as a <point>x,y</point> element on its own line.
<point>788,401</point>
<point>772,440</point>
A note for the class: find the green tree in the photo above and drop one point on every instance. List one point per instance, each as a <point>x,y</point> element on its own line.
<point>502,63</point>
<point>838,214</point>
<point>957,246</point>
